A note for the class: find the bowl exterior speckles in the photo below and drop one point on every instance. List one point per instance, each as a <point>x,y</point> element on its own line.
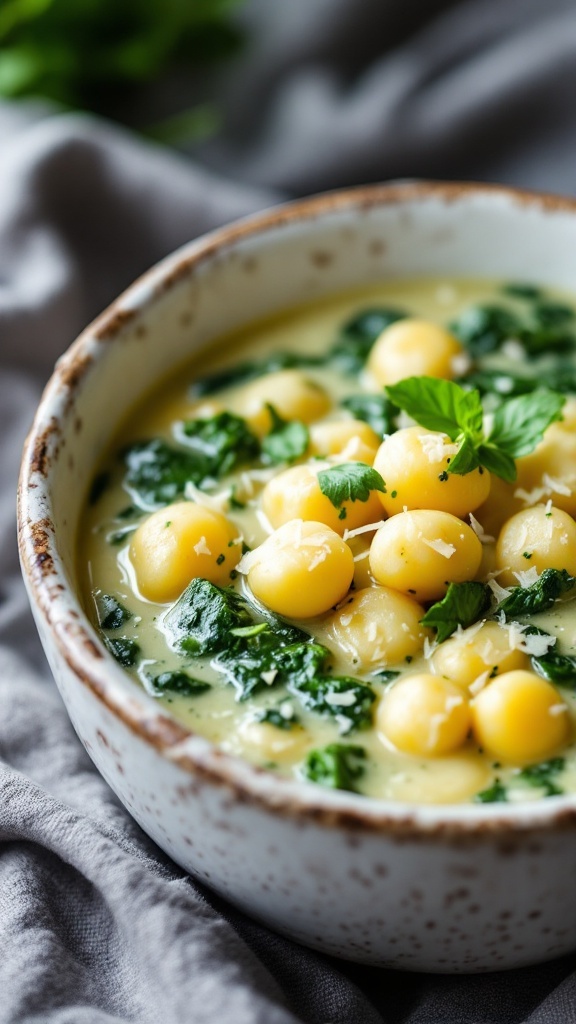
<point>450,889</point>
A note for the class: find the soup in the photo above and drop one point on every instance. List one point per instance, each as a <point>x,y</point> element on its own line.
<point>341,545</point>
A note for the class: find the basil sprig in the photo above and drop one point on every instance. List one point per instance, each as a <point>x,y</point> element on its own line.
<point>518,425</point>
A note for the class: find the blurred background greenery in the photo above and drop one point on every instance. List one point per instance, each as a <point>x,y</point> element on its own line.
<point>104,56</point>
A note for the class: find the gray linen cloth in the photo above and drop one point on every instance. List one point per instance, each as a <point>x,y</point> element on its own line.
<point>96,924</point>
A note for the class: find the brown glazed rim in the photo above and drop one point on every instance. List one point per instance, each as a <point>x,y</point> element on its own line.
<point>95,668</point>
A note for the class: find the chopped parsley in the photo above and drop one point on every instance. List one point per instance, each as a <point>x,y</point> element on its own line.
<point>286,441</point>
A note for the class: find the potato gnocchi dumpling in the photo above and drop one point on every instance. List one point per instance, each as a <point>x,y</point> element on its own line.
<point>344,547</point>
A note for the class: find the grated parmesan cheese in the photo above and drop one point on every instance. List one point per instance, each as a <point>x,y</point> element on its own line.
<point>526,577</point>
<point>435,448</point>
<point>216,502</point>
<point>483,537</point>
<point>441,547</point>
<point>270,676</point>
<point>201,548</point>
<point>369,528</point>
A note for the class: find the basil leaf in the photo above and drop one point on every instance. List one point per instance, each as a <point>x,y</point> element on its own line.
<point>463,605</point>
<point>337,766</point>
<point>519,424</point>
<point>376,410</point>
<point>179,682</point>
<point>349,481</point>
<point>286,441</point>
<point>438,405</point>
<point>466,458</point>
<point>542,594</point>
<point>497,462</point>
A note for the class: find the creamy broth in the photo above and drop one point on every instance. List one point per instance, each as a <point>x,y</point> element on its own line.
<point>107,567</point>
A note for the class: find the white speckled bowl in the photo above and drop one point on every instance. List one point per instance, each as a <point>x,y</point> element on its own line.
<point>463,888</point>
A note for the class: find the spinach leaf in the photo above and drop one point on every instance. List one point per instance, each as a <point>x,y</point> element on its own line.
<point>203,617</point>
<point>157,473</point>
<point>359,334</point>
<point>543,775</point>
<point>286,441</point>
<point>179,682</point>
<point>463,604</point>
<point>519,424</point>
<point>552,314</point>
<point>124,649</point>
<point>376,410</point>
<point>557,668</point>
<point>484,329</point>
<point>264,661</point>
<point>340,697</point>
<point>111,613</point>
<point>222,442</point>
<point>244,372</point>
<point>506,384</point>
<point>337,766</point>
<point>519,290</point>
<point>496,793</point>
<point>349,481</point>
<point>542,594</point>
<point>274,716</point>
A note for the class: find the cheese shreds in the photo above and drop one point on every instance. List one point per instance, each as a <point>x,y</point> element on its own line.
<point>369,528</point>
<point>531,497</point>
<point>429,647</point>
<point>479,683</point>
<point>460,364</point>
<point>484,538</point>
<point>534,645</point>
<point>363,554</point>
<point>286,709</point>
<point>513,349</point>
<point>264,521</point>
<point>270,676</point>
<point>556,486</point>
<point>318,557</point>
<point>216,502</point>
<point>435,448</point>
<point>499,593</point>
<point>247,561</point>
<point>201,548</point>
<point>526,577</point>
<point>441,547</point>
<point>341,700</point>
<point>548,507</point>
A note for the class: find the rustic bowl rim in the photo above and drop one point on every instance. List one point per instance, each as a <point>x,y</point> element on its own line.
<point>94,666</point>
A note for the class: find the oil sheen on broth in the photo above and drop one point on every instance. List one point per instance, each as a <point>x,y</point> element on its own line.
<point>341,544</point>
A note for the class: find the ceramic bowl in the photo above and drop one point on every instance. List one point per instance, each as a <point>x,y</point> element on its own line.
<point>432,888</point>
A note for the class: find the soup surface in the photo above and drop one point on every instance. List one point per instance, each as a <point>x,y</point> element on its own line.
<point>341,544</point>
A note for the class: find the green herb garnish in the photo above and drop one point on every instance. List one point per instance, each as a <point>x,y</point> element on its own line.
<point>463,604</point>
<point>349,481</point>
<point>557,668</point>
<point>359,334</point>
<point>518,424</point>
<point>337,766</point>
<point>274,716</point>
